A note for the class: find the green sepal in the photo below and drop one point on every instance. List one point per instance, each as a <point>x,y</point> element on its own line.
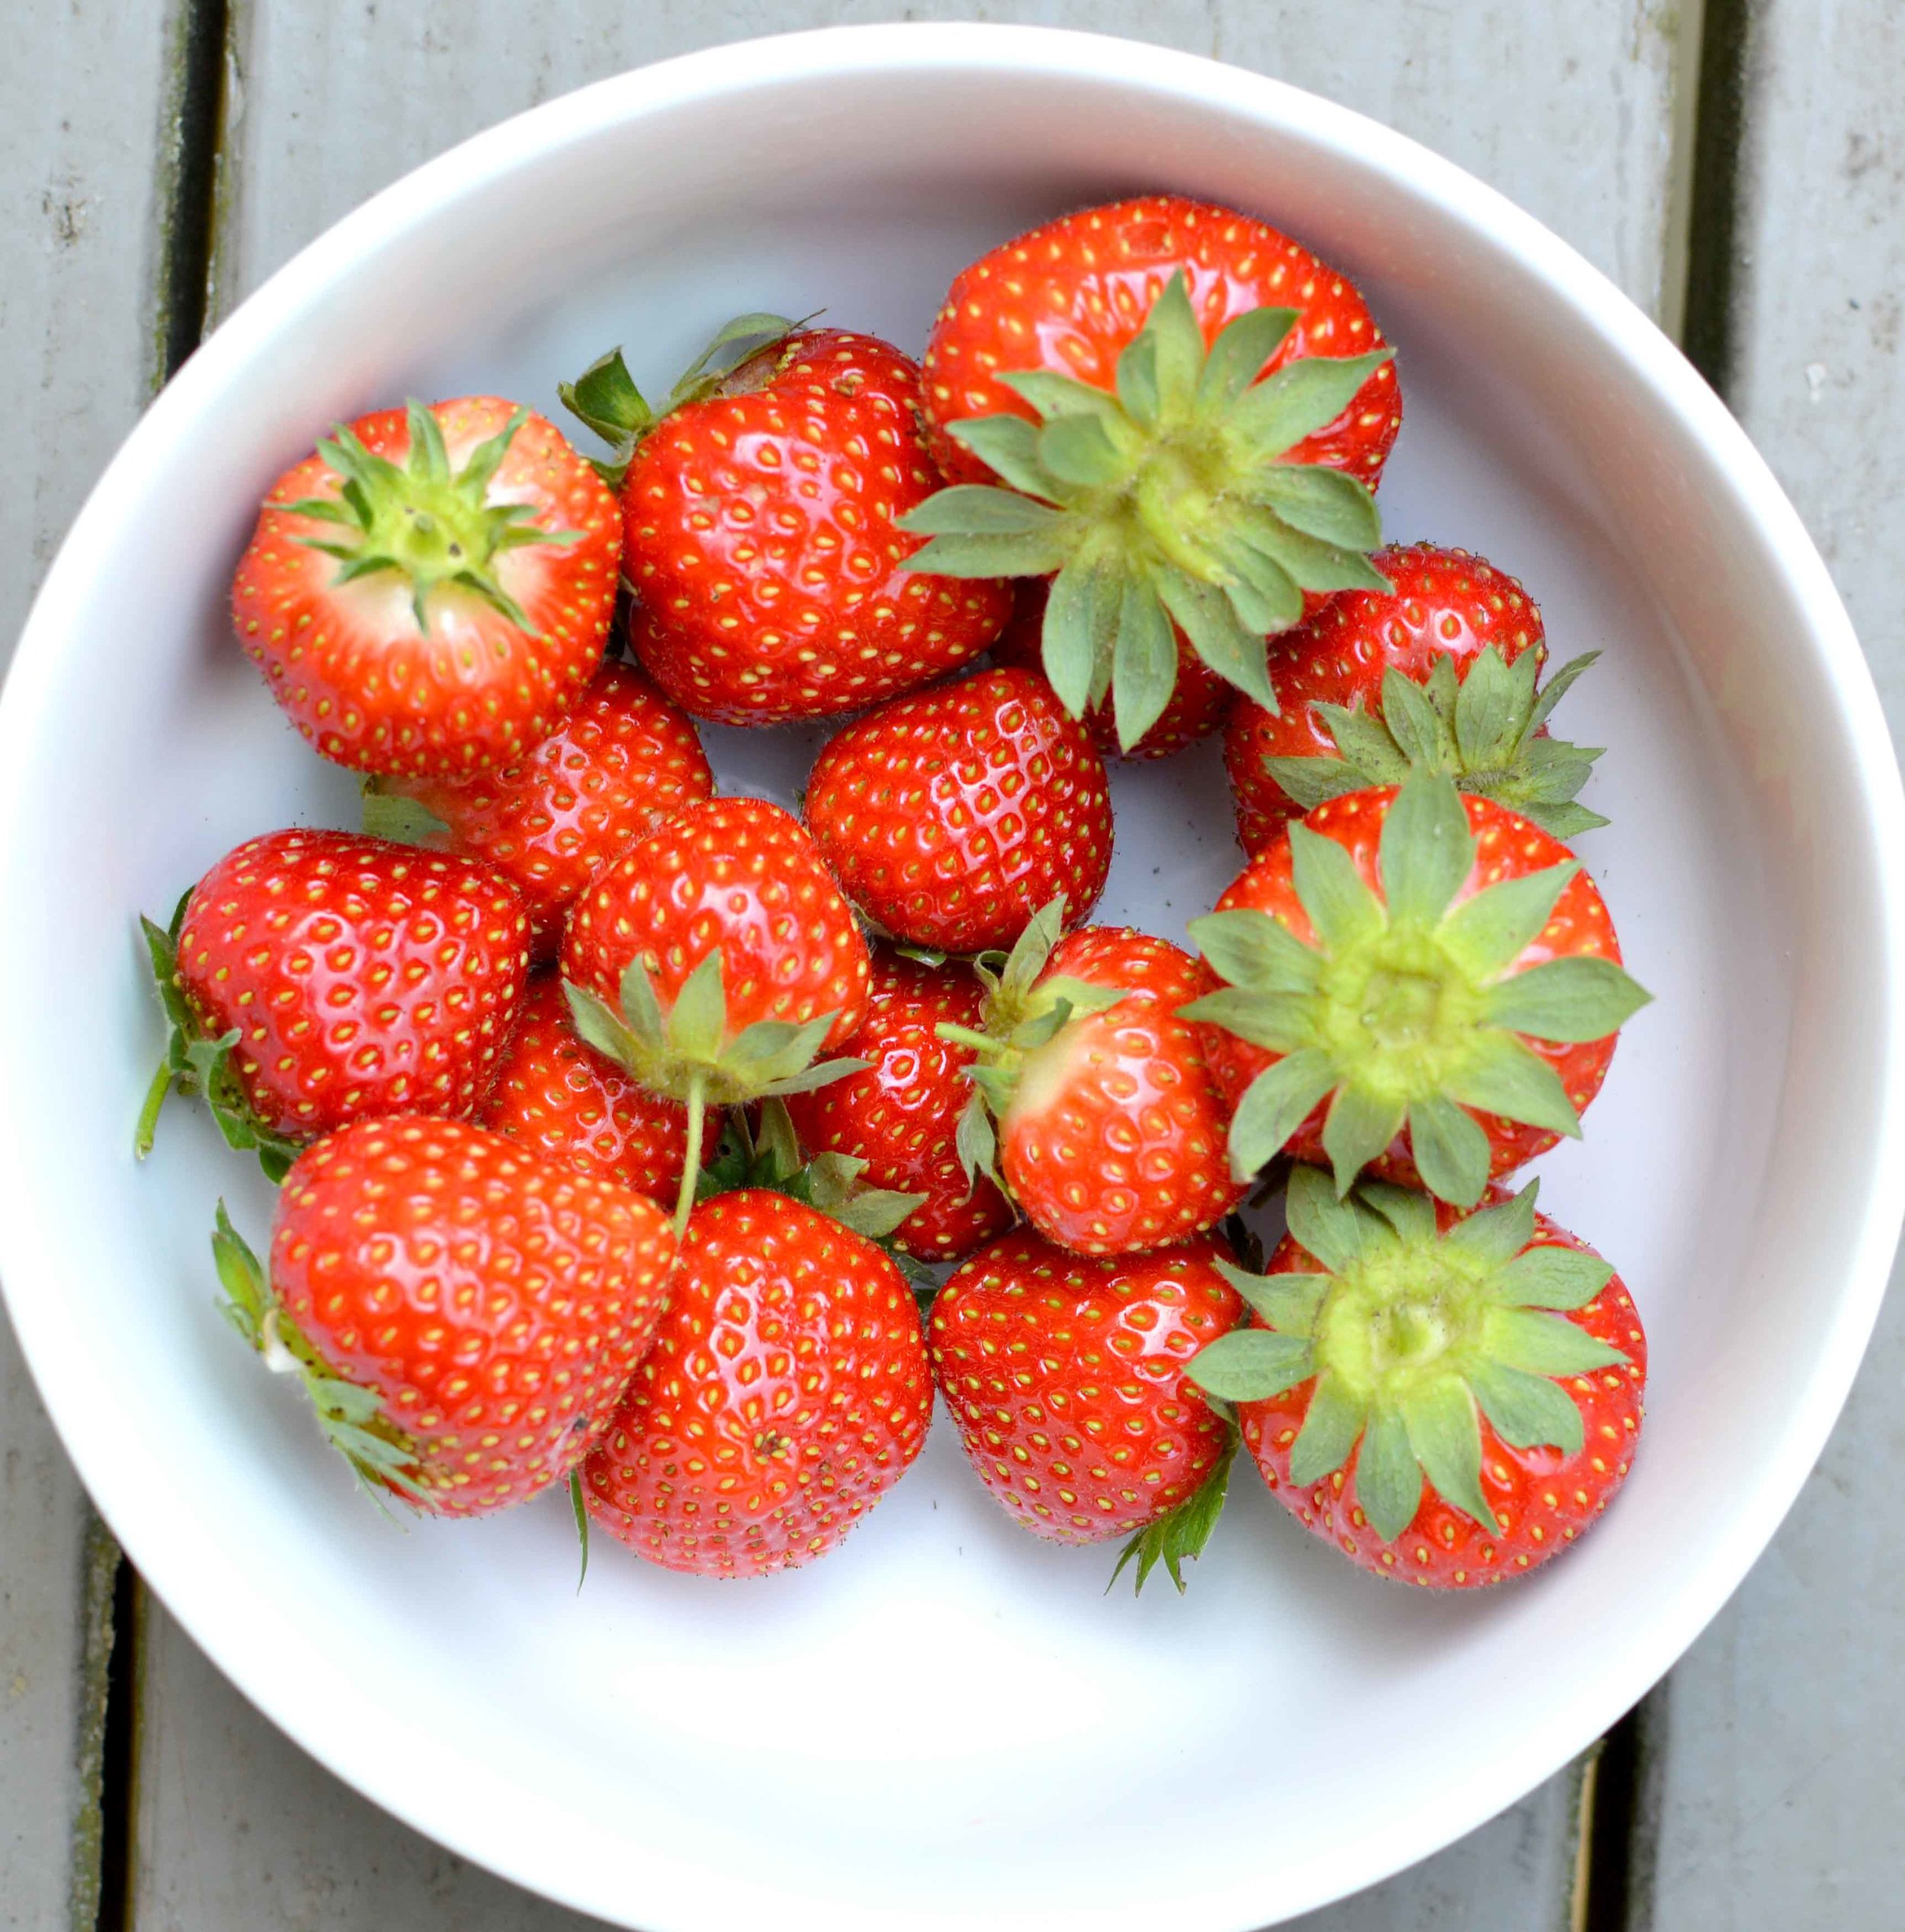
<point>199,1066</point>
<point>388,814</point>
<point>1388,1478</point>
<point>1444,1435</point>
<point>1336,1230</point>
<point>1169,492</point>
<point>581,1510</point>
<point>1481,730</point>
<point>1251,1365</point>
<point>1552,1276</point>
<point>1288,1301</point>
<point>1566,1001</point>
<point>1450,1148</point>
<point>1345,912</point>
<point>1275,1104</point>
<point>1358,1127</point>
<point>1179,1535</point>
<point>1251,951</point>
<point>1331,1426</point>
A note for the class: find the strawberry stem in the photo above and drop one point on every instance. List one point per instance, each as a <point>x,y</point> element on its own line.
<point>696,1101</point>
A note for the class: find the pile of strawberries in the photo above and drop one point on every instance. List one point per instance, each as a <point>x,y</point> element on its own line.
<point>622,1129</point>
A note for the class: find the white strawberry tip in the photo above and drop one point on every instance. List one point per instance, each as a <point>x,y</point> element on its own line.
<point>197,1066</point>
<point>1169,502</point>
<point>435,526</point>
<point>1412,1336</point>
<point>1484,732</point>
<point>1407,1014</point>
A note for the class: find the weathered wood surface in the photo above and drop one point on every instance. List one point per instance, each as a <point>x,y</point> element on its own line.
<point>1570,108</point>
<point>1779,1795</point>
<point>83,155</point>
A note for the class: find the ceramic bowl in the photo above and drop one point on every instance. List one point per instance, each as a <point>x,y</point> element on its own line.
<point>946,1723</point>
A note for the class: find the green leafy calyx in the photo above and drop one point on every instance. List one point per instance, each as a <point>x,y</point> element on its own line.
<point>1412,1336</point>
<point>382,1457</point>
<point>606,399</point>
<point>434,526</point>
<point>1482,732</point>
<point>1179,1536</point>
<point>1025,1010</point>
<point>1171,501</point>
<point>195,1064</point>
<point>1409,1009</point>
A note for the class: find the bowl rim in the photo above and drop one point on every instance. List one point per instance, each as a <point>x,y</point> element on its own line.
<point>676,1897</point>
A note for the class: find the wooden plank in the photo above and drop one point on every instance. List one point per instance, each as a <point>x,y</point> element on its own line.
<point>1776,1799</point>
<point>89,100</point>
<point>1569,105</point>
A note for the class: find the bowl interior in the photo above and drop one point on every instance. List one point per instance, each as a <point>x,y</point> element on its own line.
<point>946,1721</point>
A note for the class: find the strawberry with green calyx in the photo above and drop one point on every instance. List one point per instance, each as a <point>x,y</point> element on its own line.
<point>714,959</point>
<point>1413,982</point>
<point>1175,447</point>
<point>1367,691</point>
<point>429,591</point>
<point>1094,1105</point>
<point>1450,1398</point>
<point>463,1313</point>
<point>760,538</point>
<point>1066,1375</point>
<point>787,1392</point>
<point>314,978</point>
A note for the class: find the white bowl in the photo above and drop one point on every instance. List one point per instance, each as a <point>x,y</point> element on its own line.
<point>946,1724</point>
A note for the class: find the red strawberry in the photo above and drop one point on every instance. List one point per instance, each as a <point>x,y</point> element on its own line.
<point>1110,1130</point>
<point>465,1314</point>
<point>624,760</point>
<point>1066,1375</point>
<point>901,1115</point>
<point>759,531</point>
<point>715,959</point>
<point>1408,1394</point>
<point>788,1390</point>
<point>429,592</point>
<point>1199,701</point>
<point>564,1100</point>
<point>1186,411</point>
<point>951,816</point>
<point>1437,674</point>
<point>316,977</point>
<point>1422,985</point>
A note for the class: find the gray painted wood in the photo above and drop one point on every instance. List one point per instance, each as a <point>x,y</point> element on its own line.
<point>1568,105</point>
<point>83,101</point>
<point>1780,1796</point>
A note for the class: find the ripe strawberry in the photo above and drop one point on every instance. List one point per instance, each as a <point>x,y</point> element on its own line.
<point>714,958</point>
<point>952,816</point>
<point>1437,674</point>
<point>1174,441</point>
<point>464,1313</point>
<point>316,977</point>
<point>1422,985</point>
<point>1199,701</point>
<point>788,1390</point>
<point>429,592</point>
<point>624,760</point>
<point>1396,1340</point>
<point>760,534</point>
<point>1066,1375</point>
<point>564,1100</point>
<point>1093,1098</point>
<point>901,1115</point>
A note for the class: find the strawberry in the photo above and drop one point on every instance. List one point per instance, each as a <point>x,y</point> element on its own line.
<point>1437,674</point>
<point>1199,701</point>
<point>714,959</point>
<point>1448,1397</point>
<point>1065,1374</point>
<point>788,1390</point>
<point>952,816</point>
<point>564,1100</point>
<point>759,518</point>
<point>1420,984</point>
<point>1093,1100</point>
<point>464,1313</point>
<point>1129,407</point>
<point>429,592</point>
<point>624,760</point>
<point>901,1116</point>
<point>313,979</point>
